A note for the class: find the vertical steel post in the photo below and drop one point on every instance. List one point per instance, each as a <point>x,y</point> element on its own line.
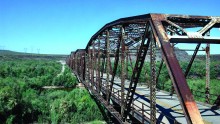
<point>207,92</point>
<point>158,75</point>
<point>172,85</point>
<point>75,62</point>
<point>75,56</point>
<point>122,70</point>
<point>70,61</point>
<point>79,64</point>
<point>126,51</point>
<point>92,66</point>
<point>98,66</point>
<point>89,66</point>
<point>102,67</point>
<point>82,64</point>
<point>153,83</point>
<point>108,63</point>
<point>113,72</point>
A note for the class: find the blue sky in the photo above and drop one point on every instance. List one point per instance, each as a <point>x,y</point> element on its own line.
<point>62,26</point>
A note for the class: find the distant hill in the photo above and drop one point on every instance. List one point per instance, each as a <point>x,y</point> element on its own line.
<point>213,57</point>
<point>7,54</point>
<point>181,55</point>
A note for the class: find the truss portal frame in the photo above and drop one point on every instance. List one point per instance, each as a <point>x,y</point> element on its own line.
<point>106,48</point>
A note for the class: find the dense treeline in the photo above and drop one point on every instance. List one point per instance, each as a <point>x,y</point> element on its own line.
<point>22,99</point>
<point>195,79</point>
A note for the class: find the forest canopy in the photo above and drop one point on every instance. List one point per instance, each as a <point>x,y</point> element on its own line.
<point>23,100</point>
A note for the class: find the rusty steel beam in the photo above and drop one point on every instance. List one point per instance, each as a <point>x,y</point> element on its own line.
<point>98,67</point>
<point>71,60</point>
<point>102,68</point>
<point>94,65</point>
<point>165,29</point>
<point>186,39</point>
<point>207,86</point>
<point>89,67</point>
<point>92,68</point>
<point>114,71</point>
<point>75,61</point>
<point>126,51</point>
<point>153,83</point>
<point>82,65</point>
<point>192,60</point>
<point>87,72</point>
<point>122,70</point>
<point>136,72</point>
<point>107,66</point>
<point>185,96</point>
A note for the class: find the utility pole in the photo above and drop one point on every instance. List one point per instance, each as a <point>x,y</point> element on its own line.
<point>38,51</point>
<point>2,47</point>
<point>25,50</point>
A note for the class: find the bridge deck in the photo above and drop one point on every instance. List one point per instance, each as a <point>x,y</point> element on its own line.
<point>168,107</point>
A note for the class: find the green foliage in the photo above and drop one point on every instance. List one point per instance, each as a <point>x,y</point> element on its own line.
<point>95,122</point>
<point>198,89</point>
<point>10,119</point>
<point>7,99</point>
<point>195,78</point>
<point>22,99</point>
<point>66,79</point>
<point>75,107</point>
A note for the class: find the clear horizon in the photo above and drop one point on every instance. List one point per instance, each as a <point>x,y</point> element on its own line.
<point>59,27</point>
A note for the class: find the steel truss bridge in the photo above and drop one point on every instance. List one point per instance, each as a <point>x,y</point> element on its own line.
<point>126,44</point>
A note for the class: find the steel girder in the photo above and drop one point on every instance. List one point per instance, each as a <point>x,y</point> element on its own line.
<point>136,33</point>
<point>187,102</point>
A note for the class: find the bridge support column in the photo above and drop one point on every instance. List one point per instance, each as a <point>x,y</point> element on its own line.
<point>93,65</point>
<point>122,70</point>
<point>108,66</point>
<point>126,53</point>
<point>98,68</point>
<point>153,83</point>
<point>90,67</point>
<point>207,87</point>
<point>86,67</point>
